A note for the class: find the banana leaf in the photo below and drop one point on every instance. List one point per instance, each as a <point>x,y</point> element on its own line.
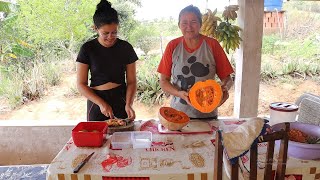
<point>22,51</point>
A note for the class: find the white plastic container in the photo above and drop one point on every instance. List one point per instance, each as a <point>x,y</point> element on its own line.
<point>135,139</point>
<point>141,139</point>
<point>121,140</point>
<point>282,112</point>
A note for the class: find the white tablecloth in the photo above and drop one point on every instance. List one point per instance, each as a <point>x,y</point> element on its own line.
<point>175,156</point>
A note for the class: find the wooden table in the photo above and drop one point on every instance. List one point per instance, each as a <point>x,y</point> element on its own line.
<point>174,156</point>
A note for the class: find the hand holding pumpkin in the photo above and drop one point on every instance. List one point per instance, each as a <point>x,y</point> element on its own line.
<point>225,96</point>
<point>206,96</point>
<point>225,86</point>
<point>185,96</point>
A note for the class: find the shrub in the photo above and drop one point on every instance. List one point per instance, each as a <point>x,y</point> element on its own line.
<point>268,43</point>
<point>11,89</point>
<point>289,68</point>
<point>149,90</point>
<point>52,73</point>
<point>268,72</point>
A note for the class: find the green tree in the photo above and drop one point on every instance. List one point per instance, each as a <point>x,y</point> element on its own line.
<point>145,36</point>
<point>66,24</point>
<point>11,45</point>
<point>5,7</point>
<point>126,10</point>
<point>59,23</point>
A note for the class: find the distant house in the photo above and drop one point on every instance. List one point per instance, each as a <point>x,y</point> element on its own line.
<point>273,20</point>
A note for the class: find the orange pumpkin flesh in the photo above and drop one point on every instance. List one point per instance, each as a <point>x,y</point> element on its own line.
<point>205,96</point>
<point>173,119</point>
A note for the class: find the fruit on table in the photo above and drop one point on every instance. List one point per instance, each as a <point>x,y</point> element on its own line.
<point>205,96</point>
<point>116,122</point>
<point>173,119</point>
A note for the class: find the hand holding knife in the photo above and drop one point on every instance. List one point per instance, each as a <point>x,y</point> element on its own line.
<point>82,163</point>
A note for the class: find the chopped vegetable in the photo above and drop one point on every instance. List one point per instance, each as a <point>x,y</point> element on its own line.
<point>299,136</point>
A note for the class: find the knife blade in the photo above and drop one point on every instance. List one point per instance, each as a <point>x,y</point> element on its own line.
<point>82,163</point>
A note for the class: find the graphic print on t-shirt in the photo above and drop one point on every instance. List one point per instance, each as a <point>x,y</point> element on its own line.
<point>197,69</point>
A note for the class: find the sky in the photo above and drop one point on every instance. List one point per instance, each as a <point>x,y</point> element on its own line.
<point>152,9</point>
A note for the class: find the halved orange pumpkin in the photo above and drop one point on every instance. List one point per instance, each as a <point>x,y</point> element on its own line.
<point>205,96</point>
<point>173,119</point>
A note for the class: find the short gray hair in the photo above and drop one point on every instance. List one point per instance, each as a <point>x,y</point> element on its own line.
<point>192,9</point>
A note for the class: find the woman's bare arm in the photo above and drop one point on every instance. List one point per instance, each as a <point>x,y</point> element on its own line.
<point>131,79</point>
<point>168,87</point>
<point>85,90</point>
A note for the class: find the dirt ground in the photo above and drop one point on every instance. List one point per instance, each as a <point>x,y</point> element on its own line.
<point>60,103</point>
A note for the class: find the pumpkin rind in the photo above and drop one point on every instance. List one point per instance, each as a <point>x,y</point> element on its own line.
<point>173,119</point>
<point>205,96</point>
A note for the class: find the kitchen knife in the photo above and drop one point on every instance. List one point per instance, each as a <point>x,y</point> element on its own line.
<point>82,163</point>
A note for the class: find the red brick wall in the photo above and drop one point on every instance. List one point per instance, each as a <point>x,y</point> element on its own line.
<point>271,22</point>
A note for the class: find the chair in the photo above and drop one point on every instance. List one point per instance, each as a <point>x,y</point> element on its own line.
<point>270,139</point>
<point>309,109</point>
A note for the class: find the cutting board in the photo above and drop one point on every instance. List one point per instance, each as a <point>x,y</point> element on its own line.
<point>128,127</point>
<point>193,127</point>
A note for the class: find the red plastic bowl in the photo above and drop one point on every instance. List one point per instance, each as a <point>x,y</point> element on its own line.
<point>302,150</point>
<point>92,136</point>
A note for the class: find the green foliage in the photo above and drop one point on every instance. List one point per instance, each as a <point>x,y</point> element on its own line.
<point>126,10</point>
<point>307,49</point>
<point>268,72</point>
<point>148,43</point>
<point>11,88</point>
<point>37,34</point>
<point>303,6</point>
<point>268,43</point>
<point>289,68</point>
<point>297,53</point>
<point>308,68</point>
<point>146,37</point>
<point>34,83</point>
<point>5,6</point>
<point>50,21</point>
<point>149,90</point>
<point>167,27</point>
<point>21,83</point>
<point>8,36</point>
<point>22,51</point>
<point>52,73</point>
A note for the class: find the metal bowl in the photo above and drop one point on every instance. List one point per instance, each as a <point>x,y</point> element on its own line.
<point>302,150</point>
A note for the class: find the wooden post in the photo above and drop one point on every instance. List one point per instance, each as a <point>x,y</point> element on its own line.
<point>248,61</point>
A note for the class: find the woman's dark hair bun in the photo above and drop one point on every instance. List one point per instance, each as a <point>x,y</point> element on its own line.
<point>104,4</point>
<point>105,14</point>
